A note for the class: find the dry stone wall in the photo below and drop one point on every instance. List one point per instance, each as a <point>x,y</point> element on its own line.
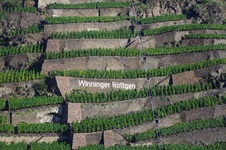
<point>148,41</point>
<point>205,136</point>
<point>38,115</point>
<point>84,139</point>
<point>42,3</point>
<point>91,12</point>
<point>127,63</point>
<point>67,84</point>
<point>48,29</point>
<point>80,111</point>
<point>28,138</point>
<point>25,88</point>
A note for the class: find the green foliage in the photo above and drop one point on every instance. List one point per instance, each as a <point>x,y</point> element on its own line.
<point>13,146</point>
<point>6,128</point>
<point>90,5</point>
<point>50,146</point>
<point>205,36</point>
<point>3,16</point>
<point>132,52</point>
<point>19,75</point>
<point>32,29</point>
<point>42,128</point>
<point>114,34</point>
<point>41,88</point>
<point>162,18</point>
<point>20,103</point>
<point>11,50</point>
<point>187,27</point>
<point>216,146</point>
<point>71,19</point>
<point>131,74</point>
<point>20,9</point>
<point>120,95</point>
<point>203,1</point>
<point>3,119</point>
<point>137,118</point>
<point>2,104</point>
<point>179,127</point>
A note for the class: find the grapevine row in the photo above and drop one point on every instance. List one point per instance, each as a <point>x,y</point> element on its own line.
<point>131,74</point>
<point>35,146</point>
<point>2,104</point>
<point>71,19</point>
<point>119,34</point>
<point>32,29</point>
<point>11,50</point>
<point>3,119</point>
<point>20,9</point>
<point>120,95</point>
<point>19,75</point>
<point>216,146</point>
<point>20,103</point>
<point>187,27</point>
<point>205,36</point>
<point>34,128</point>
<point>42,128</point>
<point>13,146</point>
<point>179,127</point>
<point>114,34</point>
<point>132,52</point>
<point>137,118</point>
<point>90,5</point>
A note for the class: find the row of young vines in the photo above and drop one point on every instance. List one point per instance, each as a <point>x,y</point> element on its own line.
<point>216,146</point>
<point>25,75</point>
<point>28,30</point>
<point>120,95</point>
<point>11,50</point>
<point>114,34</point>
<point>20,9</point>
<point>20,103</point>
<point>186,27</point>
<point>72,19</point>
<point>133,119</point>
<point>19,75</point>
<point>131,74</point>
<point>35,146</point>
<point>132,52</point>
<point>119,34</point>
<point>90,5</point>
<point>177,128</point>
<point>34,128</point>
<point>205,36</point>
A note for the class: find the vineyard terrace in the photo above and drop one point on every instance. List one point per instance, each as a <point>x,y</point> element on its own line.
<point>102,85</point>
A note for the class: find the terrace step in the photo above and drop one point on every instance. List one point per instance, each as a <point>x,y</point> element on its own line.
<point>77,27</point>
<point>43,3</point>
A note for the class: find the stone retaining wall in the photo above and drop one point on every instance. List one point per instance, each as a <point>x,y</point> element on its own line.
<point>42,3</point>
<point>72,27</point>
<point>80,111</point>
<point>38,114</point>
<point>28,138</point>
<point>67,84</point>
<point>128,63</point>
<point>91,12</point>
<point>114,137</point>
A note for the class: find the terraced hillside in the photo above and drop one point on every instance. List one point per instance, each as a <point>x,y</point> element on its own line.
<point>96,74</point>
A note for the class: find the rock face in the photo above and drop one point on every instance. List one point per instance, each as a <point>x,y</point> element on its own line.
<point>22,20</point>
<point>39,115</point>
